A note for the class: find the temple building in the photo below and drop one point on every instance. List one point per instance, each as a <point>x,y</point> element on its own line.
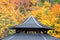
<point>31,24</point>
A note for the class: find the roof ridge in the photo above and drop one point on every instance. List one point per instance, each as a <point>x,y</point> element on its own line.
<point>36,22</point>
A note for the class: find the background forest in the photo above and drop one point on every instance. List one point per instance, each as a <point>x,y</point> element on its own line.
<point>13,12</point>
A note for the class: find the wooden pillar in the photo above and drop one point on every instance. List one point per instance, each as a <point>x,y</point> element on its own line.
<point>21,31</point>
<point>38,31</point>
<point>16,30</point>
<point>25,31</point>
<point>46,31</point>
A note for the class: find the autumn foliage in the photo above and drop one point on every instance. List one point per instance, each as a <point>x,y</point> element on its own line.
<point>13,12</point>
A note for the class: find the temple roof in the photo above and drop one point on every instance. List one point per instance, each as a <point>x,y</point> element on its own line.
<point>22,36</point>
<point>31,22</point>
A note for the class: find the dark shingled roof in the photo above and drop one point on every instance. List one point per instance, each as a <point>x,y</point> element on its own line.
<point>31,22</point>
<point>22,36</point>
